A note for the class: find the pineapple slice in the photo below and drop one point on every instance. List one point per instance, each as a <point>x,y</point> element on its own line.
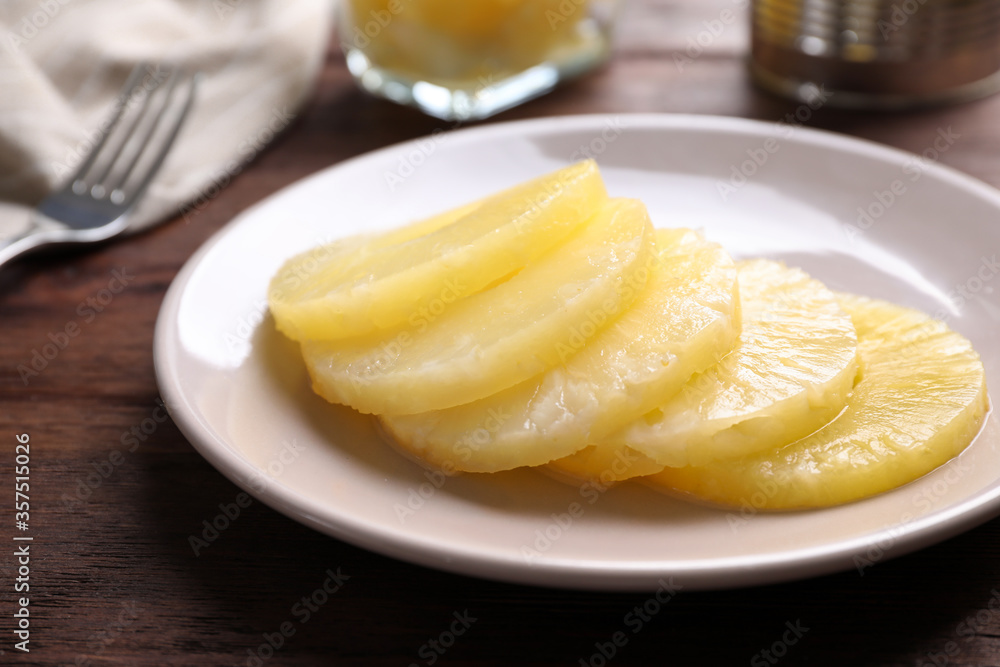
<point>361,286</point>
<point>295,292</point>
<point>493,340</point>
<point>755,398</point>
<point>685,320</point>
<point>920,401</point>
<point>790,374</point>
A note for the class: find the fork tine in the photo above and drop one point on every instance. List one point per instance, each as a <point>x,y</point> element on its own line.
<point>70,215</point>
<point>166,99</point>
<point>123,98</point>
<point>98,187</point>
<point>167,142</point>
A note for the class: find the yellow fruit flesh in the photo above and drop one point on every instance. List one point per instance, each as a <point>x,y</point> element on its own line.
<point>463,41</point>
<point>685,319</point>
<point>920,400</point>
<point>483,344</point>
<point>390,280</point>
<point>296,292</point>
<point>520,330</point>
<point>790,373</point>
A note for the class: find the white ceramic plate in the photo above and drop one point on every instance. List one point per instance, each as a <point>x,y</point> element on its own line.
<point>239,392</point>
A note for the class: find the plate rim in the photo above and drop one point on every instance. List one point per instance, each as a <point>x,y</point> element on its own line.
<point>717,573</point>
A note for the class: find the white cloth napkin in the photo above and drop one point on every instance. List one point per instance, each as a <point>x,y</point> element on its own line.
<point>63,62</point>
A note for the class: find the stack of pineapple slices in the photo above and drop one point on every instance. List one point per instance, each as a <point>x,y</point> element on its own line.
<point>550,325</point>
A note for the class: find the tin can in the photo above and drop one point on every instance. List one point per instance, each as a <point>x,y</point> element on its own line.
<point>877,54</point>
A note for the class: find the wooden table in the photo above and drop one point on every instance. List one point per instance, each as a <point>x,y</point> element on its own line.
<point>114,580</point>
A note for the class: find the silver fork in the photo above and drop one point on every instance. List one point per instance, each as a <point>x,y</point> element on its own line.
<point>95,203</point>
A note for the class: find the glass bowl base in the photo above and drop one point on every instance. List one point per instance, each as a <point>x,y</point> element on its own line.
<point>472,100</point>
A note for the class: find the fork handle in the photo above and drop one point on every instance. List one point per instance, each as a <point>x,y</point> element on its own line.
<point>35,236</point>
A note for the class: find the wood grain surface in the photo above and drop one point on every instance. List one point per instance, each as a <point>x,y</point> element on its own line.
<point>116,491</point>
